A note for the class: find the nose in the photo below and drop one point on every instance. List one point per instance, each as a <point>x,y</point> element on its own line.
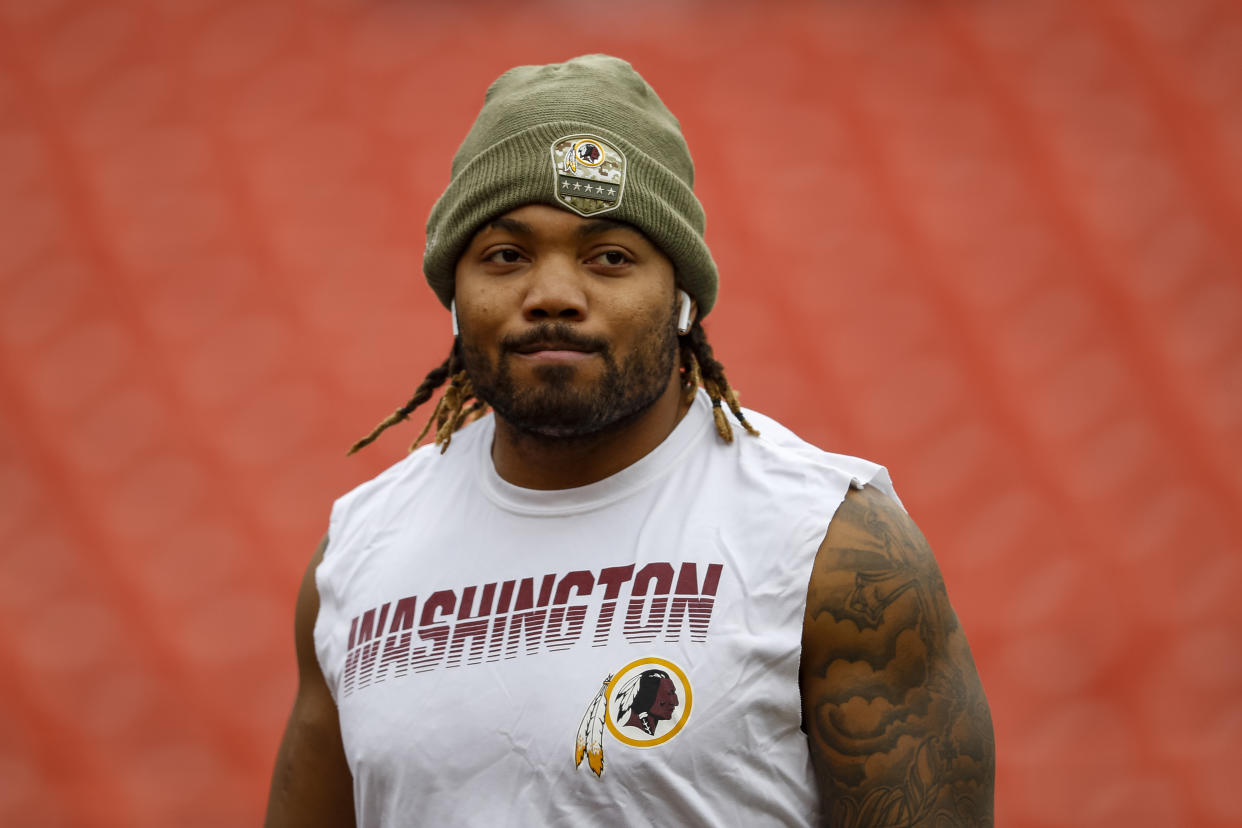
<point>554,291</point>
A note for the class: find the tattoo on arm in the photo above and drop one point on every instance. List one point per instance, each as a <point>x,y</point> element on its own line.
<point>900,731</point>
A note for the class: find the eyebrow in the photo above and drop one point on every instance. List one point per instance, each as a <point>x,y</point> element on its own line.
<point>520,228</point>
<point>598,226</point>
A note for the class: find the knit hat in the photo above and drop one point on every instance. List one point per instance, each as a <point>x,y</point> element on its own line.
<point>588,135</point>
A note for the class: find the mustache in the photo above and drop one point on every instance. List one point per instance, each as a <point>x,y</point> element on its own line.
<point>553,335</point>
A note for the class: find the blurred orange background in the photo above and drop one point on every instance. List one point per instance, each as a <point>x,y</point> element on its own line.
<point>996,246</point>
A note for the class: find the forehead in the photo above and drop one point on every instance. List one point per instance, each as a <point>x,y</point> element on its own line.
<point>544,220</point>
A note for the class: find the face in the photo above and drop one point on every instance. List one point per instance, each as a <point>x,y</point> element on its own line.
<point>568,324</point>
<point>665,701</point>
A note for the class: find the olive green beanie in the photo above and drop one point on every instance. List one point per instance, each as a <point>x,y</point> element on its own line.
<point>588,135</point>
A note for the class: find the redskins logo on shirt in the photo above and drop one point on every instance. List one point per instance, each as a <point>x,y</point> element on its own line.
<point>644,704</point>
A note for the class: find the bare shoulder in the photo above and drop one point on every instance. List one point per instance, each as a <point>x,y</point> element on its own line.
<point>307,611</point>
<point>311,783</point>
<point>898,724</point>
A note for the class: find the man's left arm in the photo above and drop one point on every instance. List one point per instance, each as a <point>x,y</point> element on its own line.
<point>899,728</point>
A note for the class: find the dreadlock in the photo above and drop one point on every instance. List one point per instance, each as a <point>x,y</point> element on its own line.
<point>458,405</point>
<point>450,413</point>
<point>699,366</point>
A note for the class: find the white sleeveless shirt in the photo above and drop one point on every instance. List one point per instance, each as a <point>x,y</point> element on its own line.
<point>623,653</point>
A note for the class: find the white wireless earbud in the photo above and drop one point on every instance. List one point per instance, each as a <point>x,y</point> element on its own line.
<point>683,316</point>
<point>453,312</point>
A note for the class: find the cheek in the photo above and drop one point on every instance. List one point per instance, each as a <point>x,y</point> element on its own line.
<point>477,314</point>
<point>645,316</point>
<point>479,297</point>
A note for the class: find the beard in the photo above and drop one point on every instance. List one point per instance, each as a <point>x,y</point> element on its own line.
<point>553,406</point>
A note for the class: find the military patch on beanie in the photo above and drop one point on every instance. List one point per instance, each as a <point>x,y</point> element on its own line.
<point>590,174</point>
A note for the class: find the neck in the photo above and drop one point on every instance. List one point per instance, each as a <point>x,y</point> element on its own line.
<point>547,463</point>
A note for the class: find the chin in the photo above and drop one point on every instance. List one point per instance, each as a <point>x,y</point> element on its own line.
<point>567,413</point>
<point>558,375</point>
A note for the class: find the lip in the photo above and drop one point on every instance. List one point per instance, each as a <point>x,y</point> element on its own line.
<point>552,354</point>
<point>550,344</point>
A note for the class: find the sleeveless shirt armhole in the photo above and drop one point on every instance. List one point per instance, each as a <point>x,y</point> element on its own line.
<point>880,479</point>
<point>807,537</point>
<point>815,527</point>
<point>329,603</point>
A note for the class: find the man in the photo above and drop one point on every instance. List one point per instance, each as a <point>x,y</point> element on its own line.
<point>496,597</point>
<point>653,701</point>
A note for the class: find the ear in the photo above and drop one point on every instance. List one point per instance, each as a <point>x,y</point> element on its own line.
<point>687,314</point>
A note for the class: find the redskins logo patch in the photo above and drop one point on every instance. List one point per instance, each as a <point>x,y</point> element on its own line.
<point>589,174</point>
<point>644,704</point>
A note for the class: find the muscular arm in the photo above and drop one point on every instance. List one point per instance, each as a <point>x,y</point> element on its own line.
<point>311,785</point>
<point>899,728</point>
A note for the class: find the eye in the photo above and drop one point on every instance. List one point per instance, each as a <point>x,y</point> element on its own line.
<point>505,255</point>
<point>612,258</point>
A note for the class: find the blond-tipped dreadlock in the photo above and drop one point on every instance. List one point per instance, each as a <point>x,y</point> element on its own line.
<point>698,367</point>
<point>450,413</point>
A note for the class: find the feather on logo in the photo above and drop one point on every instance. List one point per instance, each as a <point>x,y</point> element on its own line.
<point>590,741</point>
